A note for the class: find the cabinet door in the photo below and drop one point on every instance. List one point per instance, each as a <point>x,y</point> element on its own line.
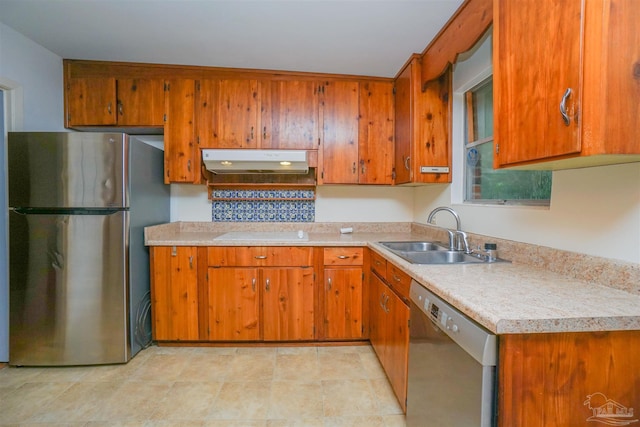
<point>181,155</point>
<point>531,76</point>
<point>140,102</point>
<point>431,146</point>
<point>404,124</point>
<point>231,121</point>
<point>375,133</point>
<point>397,345</point>
<point>174,293</point>
<point>340,132</point>
<point>91,101</point>
<point>288,297</point>
<point>234,304</point>
<point>290,114</point>
<point>343,303</point>
<point>377,331</point>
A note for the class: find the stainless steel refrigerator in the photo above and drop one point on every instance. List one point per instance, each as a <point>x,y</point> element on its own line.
<point>78,267</point>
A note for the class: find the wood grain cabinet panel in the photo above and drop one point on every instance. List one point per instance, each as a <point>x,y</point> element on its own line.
<point>592,76</point>
<point>110,101</point>
<point>340,112</point>
<point>140,102</point>
<point>389,335</point>
<point>181,153</point>
<point>228,113</point>
<point>565,379</point>
<point>375,133</point>
<point>343,303</point>
<point>234,304</point>
<point>290,114</point>
<point>174,293</point>
<point>91,101</point>
<point>422,126</point>
<point>288,303</point>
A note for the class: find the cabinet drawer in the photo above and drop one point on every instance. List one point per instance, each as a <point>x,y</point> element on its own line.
<point>343,256</point>
<point>259,256</point>
<point>399,281</point>
<point>378,264</point>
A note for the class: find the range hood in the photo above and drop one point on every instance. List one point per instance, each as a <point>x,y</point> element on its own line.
<point>243,161</point>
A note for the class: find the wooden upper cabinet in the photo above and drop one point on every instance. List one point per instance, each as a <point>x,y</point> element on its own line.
<point>290,114</point>
<point>91,102</point>
<point>140,102</point>
<point>340,103</point>
<point>375,133</point>
<point>423,127</point>
<point>228,113</point>
<point>181,153</point>
<point>583,61</point>
<point>107,101</point>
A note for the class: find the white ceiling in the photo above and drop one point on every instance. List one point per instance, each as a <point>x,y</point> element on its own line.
<point>362,37</point>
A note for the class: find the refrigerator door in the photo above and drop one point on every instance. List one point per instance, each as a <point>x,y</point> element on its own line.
<point>68,289</point>
<point>67,170</point>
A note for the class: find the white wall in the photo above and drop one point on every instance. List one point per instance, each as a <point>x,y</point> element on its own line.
<point>333,203</point>
<point>31,78</point>
<point>593,211</point>
<point>38,73</point>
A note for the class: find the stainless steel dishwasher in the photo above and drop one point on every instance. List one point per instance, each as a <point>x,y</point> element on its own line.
<point>452,366</point>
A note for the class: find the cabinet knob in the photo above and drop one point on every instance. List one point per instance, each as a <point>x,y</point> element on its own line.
<point>267,284</point>
<point>563,107</point>
<point>406,163</point>
<point>253,284</point>
<point>329,284</point>
<point>109,108</point>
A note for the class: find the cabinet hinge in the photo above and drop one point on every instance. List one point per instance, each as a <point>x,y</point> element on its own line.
<point>198,140</point>
<point>164,117</point>
<point>198,86</point>
<point>166,87</point>
<point>363,275</point>
<point>322,174</point>
<point>207,276</point>
<point>393,174</point>
<point>497,148</point>
<point>394,90</point>
<point>68,117</point>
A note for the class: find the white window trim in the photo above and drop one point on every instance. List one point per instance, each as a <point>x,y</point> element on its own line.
<point>457,132</point>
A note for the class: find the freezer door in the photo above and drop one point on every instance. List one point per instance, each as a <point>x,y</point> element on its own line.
<point>68,289</point>
<point>67,170</point>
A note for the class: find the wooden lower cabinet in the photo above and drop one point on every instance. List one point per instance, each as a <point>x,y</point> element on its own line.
<point>569,379</point>
<point>233,304</point>
<point>342,294</point>
<point>174,293</point>
<point>288,304</point>
<point>343,303</point>
<point>389,335</point>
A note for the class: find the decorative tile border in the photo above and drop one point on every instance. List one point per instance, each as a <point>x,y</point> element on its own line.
<point>263,206</point>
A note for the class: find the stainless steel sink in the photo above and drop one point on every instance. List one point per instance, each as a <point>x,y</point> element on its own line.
<point>423,252</point>
<point>411,246</point>
<point>441,257</point>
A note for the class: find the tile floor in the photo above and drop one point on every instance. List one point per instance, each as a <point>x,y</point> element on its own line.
<point>208,386</point>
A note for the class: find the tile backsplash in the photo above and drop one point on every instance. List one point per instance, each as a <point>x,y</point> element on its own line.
<point>275,205</point>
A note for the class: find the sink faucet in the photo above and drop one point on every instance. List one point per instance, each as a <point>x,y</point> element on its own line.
<point>458,238</point>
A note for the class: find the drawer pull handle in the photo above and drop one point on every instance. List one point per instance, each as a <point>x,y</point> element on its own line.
<point>343,257</point>
<point>260,257</point>
<point>563,107</point>
<point>396,278</point>
<point>378,263</point>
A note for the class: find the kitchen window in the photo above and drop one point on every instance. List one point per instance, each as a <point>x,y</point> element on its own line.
<point>482,183</point>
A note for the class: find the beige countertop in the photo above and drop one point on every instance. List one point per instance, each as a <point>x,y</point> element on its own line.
<point>505,298</point>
